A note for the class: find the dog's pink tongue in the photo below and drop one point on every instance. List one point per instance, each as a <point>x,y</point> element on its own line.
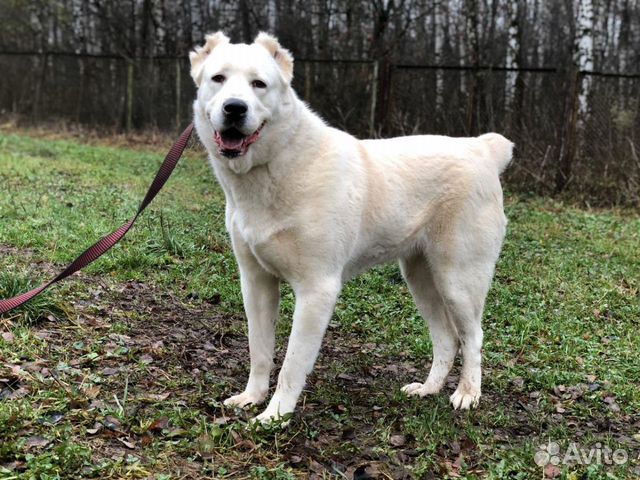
<point>231,143</point>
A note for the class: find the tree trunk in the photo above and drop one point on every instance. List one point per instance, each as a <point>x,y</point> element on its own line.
<point>473,92</point>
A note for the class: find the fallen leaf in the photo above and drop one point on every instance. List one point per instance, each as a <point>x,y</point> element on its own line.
<point>155,397</point>
<point>91,392</point>
<point>146,359</point>
<point>15,394</point>
<point>8,337</point>
<point>317,467</point>
<point>16,465</point>
<point>206,446</point>
<point>348,434</point>
<point>146,440</point>
<point>209,347</point>
<point>551,471</point>
<point>36,441</point>
<point>559,390</point>
<point>518,382</point>
<point>160,424</point>
<point>221,421</point>
<point>97,404</point>
<point>112,423</point>
<point>398,440</point>
<point>452,469</point>
<point>51,419</point>
<point>613,405</point>
<point>127,443</point>
<point>96,428</point>
<point>176,432</point>
<point>236,436</point>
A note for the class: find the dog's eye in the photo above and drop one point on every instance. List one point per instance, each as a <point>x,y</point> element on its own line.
<point>218,78</point>
<point>258,84</point>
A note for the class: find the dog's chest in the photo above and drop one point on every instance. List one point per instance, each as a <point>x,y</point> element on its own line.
<point>255,225</point>
<point>269,237</point>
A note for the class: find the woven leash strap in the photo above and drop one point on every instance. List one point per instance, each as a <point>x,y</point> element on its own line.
<point>106,243</point>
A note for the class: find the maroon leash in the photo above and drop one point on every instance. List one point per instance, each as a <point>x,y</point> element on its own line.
<point>102,246</point>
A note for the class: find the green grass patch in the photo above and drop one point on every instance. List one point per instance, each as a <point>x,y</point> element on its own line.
<point>560,356</point>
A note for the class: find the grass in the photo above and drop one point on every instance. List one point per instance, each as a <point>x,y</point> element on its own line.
<point>120,372</point>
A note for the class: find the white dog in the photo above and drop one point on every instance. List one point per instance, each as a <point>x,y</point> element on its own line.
<point>314,206</point>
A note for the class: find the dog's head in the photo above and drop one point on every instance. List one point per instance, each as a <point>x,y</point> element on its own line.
<point>240,89</point>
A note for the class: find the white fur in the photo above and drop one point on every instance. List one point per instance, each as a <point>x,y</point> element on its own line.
<point>314,206</point>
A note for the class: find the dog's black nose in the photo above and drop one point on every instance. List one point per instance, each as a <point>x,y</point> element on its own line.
<point>234,108</point>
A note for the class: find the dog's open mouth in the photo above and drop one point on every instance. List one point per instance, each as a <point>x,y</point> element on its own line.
<point>233,143</point>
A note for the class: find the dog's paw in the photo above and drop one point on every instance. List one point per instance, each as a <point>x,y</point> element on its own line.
<point>244,399</point>
<point>465,398</point>
<point>419,389</point>
<point>269,419</point>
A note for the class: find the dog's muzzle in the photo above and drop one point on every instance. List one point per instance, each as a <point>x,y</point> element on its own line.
<point>232,142</point>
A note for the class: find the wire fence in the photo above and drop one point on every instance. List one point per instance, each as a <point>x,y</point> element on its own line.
<point>585,146</point>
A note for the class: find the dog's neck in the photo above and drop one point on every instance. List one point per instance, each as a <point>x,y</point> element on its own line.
<point>251,178</point>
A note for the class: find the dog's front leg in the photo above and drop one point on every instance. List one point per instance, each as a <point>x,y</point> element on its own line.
<point>314,306</point>
<point>261,295</point>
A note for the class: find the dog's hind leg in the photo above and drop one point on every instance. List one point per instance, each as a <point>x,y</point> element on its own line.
<point>464,292</point>
<point>463,281</point>
<point>417,274</point>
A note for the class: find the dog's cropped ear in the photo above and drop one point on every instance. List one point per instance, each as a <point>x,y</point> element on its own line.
<point>200,54</point>
<point>282,56</point>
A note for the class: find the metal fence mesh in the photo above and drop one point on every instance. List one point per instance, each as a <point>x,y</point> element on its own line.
<point>530,107</point>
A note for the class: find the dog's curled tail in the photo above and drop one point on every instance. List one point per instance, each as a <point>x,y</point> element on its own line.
<point>501,150</point>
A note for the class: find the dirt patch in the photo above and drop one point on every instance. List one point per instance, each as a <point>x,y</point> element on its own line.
<point>9,250</point>
<point>352,388</point>
<point>153,353</point>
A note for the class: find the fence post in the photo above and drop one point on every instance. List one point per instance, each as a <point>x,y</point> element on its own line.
<point>569,140</point>
<point>178,90</point>
<point>79,100</point>
<point>307,82</point>
<point>38,94</point>
<point>472,103</point>
<point>383,88</point>
<point>374,98</point>
<point>129,121</point>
